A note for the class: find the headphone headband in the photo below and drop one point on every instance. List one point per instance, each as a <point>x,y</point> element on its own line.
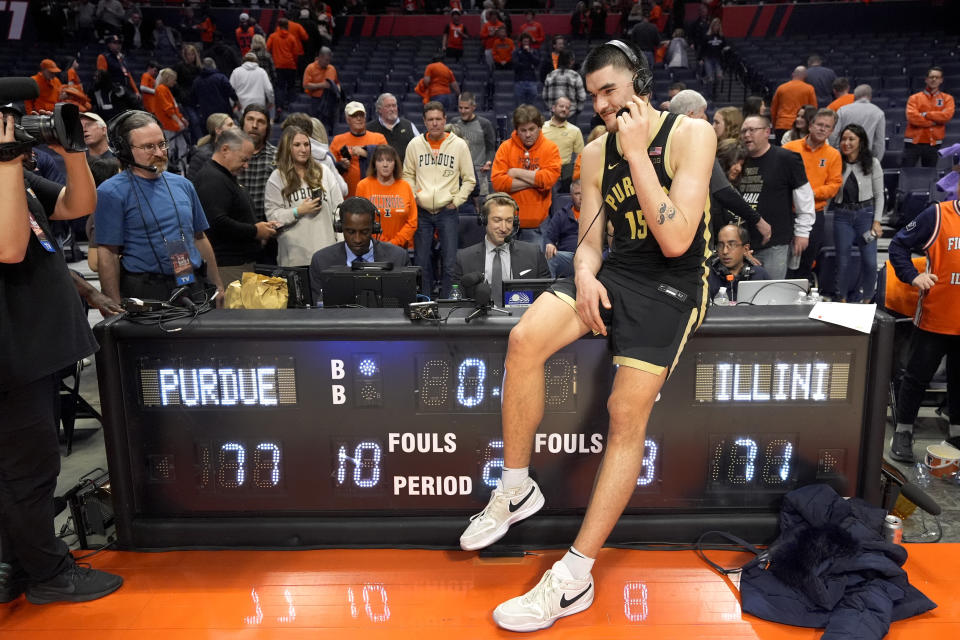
<point>491,197</point>
<point>116,137</point>
<point>642,76</point>
<point>339,213</point>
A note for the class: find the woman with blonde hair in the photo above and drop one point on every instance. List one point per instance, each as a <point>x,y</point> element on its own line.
<point>392,196</point>
<point>302,197</point>
<point>204,148</point>
<point>727,122</point>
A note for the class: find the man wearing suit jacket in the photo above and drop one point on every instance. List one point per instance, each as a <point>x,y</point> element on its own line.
<point>357,218</point>
<point>514,258</point>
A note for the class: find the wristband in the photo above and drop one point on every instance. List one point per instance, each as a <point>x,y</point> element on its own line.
<point>296,214</point>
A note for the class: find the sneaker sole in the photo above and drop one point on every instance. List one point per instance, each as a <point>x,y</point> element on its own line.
<point>86,597</point>
<point>501,531</point>
<point>537,626</point>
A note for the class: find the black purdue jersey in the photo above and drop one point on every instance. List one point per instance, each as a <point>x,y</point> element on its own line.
<point>635,248</point>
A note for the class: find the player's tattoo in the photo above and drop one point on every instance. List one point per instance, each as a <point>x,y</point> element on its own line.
<point>665,213</point>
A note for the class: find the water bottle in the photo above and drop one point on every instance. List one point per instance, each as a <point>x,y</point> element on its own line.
<point>801,297</point>
<point>455,293</point>
<point>921,477</point>
<point>814,296</point>
<point>721,299</point>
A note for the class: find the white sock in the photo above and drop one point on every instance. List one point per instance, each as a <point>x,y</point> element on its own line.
<point>578,564</point>
<point>904,427</point>
<point>954,430</point>
<point>513,478</point>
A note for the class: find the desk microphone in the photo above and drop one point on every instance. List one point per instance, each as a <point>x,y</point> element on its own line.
<point>469,283</point>
<point>481,298</point>
<point>181,298</point>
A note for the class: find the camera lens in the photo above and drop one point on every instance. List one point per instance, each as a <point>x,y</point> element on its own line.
<point>63,127</point>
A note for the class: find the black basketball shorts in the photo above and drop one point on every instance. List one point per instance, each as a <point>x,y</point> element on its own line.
<point>649,322</point>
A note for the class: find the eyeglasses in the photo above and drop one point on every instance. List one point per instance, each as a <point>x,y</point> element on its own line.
<point>751,130</point>
<point>151,147</point>
<point>729,246</point>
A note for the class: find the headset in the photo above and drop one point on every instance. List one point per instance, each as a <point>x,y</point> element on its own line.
<point>642,76</point>
<point>746,271</point>
<point>338,215</point>
<point>482,213</point>
<point>117,137</point>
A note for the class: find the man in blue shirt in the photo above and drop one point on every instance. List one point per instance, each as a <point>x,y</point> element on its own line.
<point>154,218</point>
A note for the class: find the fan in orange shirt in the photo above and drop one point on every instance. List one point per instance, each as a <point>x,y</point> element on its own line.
<point>392,196</point>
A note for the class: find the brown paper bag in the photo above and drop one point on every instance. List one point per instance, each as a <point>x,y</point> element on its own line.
<point>233,299</point>
<point>262,292</point>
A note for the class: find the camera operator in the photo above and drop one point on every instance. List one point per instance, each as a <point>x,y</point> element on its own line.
<point>42,330</point>
<point>731,265</point>
<point>153,216</point>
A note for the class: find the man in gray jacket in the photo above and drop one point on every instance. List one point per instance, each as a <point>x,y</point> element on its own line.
<point>866,114</point>
<point>481,139</point>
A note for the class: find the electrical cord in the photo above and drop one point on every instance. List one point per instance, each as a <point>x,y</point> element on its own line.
<point>170,313</point>
<point>775,282</point>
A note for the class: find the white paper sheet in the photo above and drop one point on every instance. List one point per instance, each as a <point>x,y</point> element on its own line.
<point>853,316</point>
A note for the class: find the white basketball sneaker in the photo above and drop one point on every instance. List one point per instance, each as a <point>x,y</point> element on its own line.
<point>557,595</point>
<point>506,507</point>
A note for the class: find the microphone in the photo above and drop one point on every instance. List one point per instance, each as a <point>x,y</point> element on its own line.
<point>145,167</point>
<point>13,89</point>
<point>481,299</point>
<point>180,297</point>
<point>469,282</point>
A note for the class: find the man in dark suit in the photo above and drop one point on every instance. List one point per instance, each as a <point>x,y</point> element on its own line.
<point>515,259</point>
<point>357,219</point>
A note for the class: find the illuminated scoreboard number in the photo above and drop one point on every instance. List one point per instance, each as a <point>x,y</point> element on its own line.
<point>472,383</point>
<point>234,465</point>
<point>217,384</point>
<point>357,466</point>
<point>763,378</point>
<point>752,461</point>
<point>491,459</point>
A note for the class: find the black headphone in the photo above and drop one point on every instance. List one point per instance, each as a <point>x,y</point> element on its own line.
<point>482,213</point>
<point>717,266</point>
<point>117,135</point>
<point>338,215</point>
<point>642,76</point>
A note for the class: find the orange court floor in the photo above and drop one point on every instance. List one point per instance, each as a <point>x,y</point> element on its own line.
<point>431,594</point>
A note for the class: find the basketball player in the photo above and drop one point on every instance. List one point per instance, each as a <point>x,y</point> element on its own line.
<point>649,176</point>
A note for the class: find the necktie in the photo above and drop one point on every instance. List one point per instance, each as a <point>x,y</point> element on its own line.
<point>358,260</point>
<point>496,283</point>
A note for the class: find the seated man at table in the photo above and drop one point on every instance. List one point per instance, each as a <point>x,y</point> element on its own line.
<point>730,266</point>
<point>499,257</point>
<point>359,222</point>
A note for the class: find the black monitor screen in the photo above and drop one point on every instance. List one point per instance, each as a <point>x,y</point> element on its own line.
<point>343,287</point>
<point>522,293</point>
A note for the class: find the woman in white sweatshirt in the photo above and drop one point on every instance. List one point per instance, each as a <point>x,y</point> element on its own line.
<point>302,197</point>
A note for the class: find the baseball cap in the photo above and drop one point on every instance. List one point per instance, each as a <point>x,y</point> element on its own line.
<point>111,38</point>
<point>49,65</point>
<point>91,115</point>
<point>354,108</point>
<point>244,17</point>
<point>304,13</point>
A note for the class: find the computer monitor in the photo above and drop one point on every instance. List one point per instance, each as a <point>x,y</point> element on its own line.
<point>521,293</point>
<point>298,283</point>
<point>346,287</point>
<point>770,291</point>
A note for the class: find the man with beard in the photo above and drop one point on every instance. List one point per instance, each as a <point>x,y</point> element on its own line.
<point>154,218</point>
<point>567,137</point>
<point>256,124</point>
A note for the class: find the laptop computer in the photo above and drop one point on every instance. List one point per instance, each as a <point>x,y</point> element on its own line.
<point>770,291</point>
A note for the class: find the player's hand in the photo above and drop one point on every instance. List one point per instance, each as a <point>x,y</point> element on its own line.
<point>925,281</point>
<point>799,244</point>
<point>634,127</point>
<point>550,250</point>
<point>590,295</point>
<point>764,229</point>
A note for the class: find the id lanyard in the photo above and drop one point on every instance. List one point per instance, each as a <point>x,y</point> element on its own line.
<point>177,250</point>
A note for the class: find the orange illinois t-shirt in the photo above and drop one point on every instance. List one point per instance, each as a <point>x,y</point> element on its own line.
<point>397,206</point>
